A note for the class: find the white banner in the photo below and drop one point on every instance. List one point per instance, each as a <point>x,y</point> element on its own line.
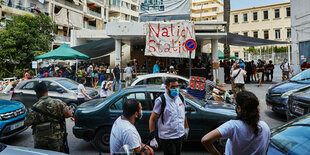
<point>168,39</point>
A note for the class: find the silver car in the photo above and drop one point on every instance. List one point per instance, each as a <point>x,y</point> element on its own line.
<point>58,88</point>
<point>17,150</point>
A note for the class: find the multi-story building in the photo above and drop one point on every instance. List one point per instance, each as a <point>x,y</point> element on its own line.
<point>271,22</point>
<point>203,10</point>
<point>74,14</point>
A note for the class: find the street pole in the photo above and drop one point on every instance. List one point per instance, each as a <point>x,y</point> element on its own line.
<point>190,64</point>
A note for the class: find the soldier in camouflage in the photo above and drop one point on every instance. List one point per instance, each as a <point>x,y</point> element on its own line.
<point>48,132</point>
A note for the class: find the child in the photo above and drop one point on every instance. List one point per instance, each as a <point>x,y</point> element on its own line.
<point>105,86</point>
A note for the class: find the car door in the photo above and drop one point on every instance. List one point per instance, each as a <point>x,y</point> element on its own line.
<point>55,91</point>
<point>27,94</point>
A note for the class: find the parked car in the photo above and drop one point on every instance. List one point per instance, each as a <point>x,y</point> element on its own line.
<point>12,117</point>
<point>59,88</point>
<point>291,138</point>
<point>298,104</point>
<point>158,79</point>
<point>277,95</point>
<point>94,119</point>
<point>17,150</point>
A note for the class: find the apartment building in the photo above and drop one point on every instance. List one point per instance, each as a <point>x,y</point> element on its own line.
<point>271,22</point>
<point>74,14</point>
<point>206,10</point>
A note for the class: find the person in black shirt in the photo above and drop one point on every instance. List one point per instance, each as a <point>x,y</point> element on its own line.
<point>117,77</point>
<point>269,70</point>
<point>260,70</point>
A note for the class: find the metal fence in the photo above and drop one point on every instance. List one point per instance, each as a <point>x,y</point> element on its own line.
<point>277,58</point>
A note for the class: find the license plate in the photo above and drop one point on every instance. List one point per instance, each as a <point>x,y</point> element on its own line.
<point>299,110</point>
<point>269,107</point>
<point>16,125</point>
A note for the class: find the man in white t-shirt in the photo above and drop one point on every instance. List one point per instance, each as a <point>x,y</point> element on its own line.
<point>128,74</point>
<point>238,76</point>
<point>125,133</point>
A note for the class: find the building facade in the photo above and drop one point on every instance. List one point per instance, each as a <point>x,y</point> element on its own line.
<point>272,22</point>
<point>205,10</point>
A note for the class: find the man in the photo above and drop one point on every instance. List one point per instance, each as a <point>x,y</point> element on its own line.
<point>260,69</point>
<point>210,85</point>
<point>156,68</point>
<point>285,67</point>
<point>47,118</point>
<point>128,74</point>
<point>171,70</point>
<point>241,63</point>
<point>305,65</point>
<point>172,124</point>
<point>117,77</point>
<point>238,76</point>
<point>269,70</point>
<point>89,72</point>
<point>125,133</point>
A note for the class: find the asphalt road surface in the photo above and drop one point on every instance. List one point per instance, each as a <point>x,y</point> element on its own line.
<point>81,147</point>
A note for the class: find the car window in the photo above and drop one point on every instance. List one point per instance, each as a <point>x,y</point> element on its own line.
<point>182,84</point>
<point>302,77</point>
<point>30,85</point>
<point>156,80</point>
<point>51,86</point>
<point>118,105</point>
<point>69,84</point>
<point>154,96</point>
<point>140,82</point>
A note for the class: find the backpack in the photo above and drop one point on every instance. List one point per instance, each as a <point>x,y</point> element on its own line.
<point>163,105</point>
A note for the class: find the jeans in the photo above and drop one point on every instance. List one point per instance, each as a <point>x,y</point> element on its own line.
<point>172,146</point>
<point>118,82</point>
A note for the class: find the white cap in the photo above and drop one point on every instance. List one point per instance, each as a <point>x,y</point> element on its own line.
<point>171,67</point>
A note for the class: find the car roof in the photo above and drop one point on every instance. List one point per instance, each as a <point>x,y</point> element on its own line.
<point>144,87</point>
<point>21,83</point>
<point>160,75</point>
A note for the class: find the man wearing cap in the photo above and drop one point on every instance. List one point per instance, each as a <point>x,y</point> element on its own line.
<point>171,70</point>
<point>47,118</point>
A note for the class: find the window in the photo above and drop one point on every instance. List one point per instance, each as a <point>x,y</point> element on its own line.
<point>245,33</point>
<point>266,14</point>
<point>206,4</point>
<point>288,12</point>
<point>213,18</point>
<point>254,15</point>
<point>156,80</point>
<point>245,17</point>
<point>236,18</point>
<point>118,105</point>
<point>237,54</point>
<point>245,56</point>
<point>214,10</point>
<point>30,85</point>
<point>288,33</point>
<point>277,13</point>
<point>277,34</point>
<point>51,86</point>
<point>154,96</point>
<point>255,34</point>
<point>266,34</point>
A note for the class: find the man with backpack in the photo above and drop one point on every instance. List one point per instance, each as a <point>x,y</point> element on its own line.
<point>172,124</point>
<point>238,76</point>
<point>105,86</point>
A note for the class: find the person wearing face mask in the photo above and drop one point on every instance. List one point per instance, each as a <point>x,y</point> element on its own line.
<point>305,65</point>
<point>125,133</point>
<point>285,67</point>
<point>172,124</point>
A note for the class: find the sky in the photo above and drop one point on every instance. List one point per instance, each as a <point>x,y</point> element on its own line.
<point>241,4</point>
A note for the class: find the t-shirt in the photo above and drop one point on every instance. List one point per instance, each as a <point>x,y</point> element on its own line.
<point>123,132</point>
<point>104,93</point>
<point>117,72</point>
<point>242,140</point>
<point>285,66</point>
<point>210,85</point>
<point>260,65</point>
<point>156,68</point>
<point>240,77</point>
<point>128,70</point>
<point>89,72</point>
<point>80,88</point>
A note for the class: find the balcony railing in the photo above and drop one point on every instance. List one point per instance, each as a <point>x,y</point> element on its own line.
<point>78,7</point>
<point>97,14</point>
<point>91,27</point>
<point>62,38</point>
<point>99,1</point>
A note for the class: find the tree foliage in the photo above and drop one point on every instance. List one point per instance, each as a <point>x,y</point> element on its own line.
<point>21,39</point>
<point>266,50</point>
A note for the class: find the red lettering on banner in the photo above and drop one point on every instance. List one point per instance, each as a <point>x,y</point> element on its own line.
<point>171,30</point>
<point>190,32</point>
<point>154,49</point>
<point>151,28</point>
<point>165,33</point>
<point>167,49</point>
<point>183,33</point>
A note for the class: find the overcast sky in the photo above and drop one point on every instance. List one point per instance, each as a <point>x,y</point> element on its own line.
<point>240,4</point>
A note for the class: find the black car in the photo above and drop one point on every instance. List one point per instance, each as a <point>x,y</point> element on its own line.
<point>298,104</point>
<point>277,95</point>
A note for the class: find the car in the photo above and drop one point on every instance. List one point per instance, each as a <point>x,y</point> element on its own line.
<point>291,138</point>
<point>277,95</point>
<point>158,79</point>
<point>298,104</point>
<point>12,117</point>
<point>17,150</point>
<point>94,119</point>
<point>59,88</point>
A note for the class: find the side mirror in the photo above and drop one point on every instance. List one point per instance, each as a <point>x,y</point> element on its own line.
<point>60,90</point>
<point>189,109</point>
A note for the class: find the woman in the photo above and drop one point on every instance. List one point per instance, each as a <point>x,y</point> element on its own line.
<point>105,86</point>
<point>96,76</point>
<point>246,134</point>
<point>80,73</point>
<point>27,75</point>
<point>82,92</point>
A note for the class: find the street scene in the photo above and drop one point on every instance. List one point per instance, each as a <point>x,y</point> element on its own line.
<point>164,77</point>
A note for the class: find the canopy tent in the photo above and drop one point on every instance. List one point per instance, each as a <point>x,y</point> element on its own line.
<point>62,52</point>
<point>240,40</point>
<point>221,55</point>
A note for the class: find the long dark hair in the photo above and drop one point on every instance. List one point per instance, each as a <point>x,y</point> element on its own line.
<point>249,109</point>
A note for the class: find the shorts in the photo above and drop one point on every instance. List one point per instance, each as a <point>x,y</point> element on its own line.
<point>96,75</point>
<point>285,72</point>
<point>259,75</point>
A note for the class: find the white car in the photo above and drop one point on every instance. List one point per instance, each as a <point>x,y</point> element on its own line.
<point>159,79</point>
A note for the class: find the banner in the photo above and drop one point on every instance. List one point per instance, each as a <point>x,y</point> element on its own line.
<point>160,10</point>
<point>168,39</point>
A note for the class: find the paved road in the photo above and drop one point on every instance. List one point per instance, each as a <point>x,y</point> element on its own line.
<point>80,147</point>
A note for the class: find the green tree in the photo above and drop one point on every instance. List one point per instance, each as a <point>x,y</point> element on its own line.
<point>21,39</point>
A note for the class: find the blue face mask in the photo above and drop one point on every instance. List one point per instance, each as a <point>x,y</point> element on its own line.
<point>174,92</point>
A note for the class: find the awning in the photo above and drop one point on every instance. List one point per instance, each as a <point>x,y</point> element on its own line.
<point>221,55</point>
<point>240,40</point>
<point>97,48</point>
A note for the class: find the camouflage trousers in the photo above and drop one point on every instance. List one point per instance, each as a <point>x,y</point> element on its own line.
<point>48,143</point>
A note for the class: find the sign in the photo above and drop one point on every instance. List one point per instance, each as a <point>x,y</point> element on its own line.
<point>34,64</point>
<point>160,10</point>
<point>190,44</point>
<point>302,57</point>
<point>168,39</point>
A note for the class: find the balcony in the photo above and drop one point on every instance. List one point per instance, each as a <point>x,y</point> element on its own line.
<point>69,4</point>
<point>94,13</point>
<point>90,27</point>
<point>60,38</point>
<point>99,1</point>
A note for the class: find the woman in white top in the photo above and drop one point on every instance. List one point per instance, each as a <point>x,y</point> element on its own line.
<point>82,92</point>
<point>246,135</point>
<point>105,86</point>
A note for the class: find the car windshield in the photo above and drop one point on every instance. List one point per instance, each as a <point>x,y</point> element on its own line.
<point>194,99</point>
<point>294,138</point>
<point>307,91</point>
<point>302,77</point>
<point>70,84</point>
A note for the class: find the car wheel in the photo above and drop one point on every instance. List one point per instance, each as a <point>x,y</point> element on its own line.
<point>102,140</point>
<point>72,107</point>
